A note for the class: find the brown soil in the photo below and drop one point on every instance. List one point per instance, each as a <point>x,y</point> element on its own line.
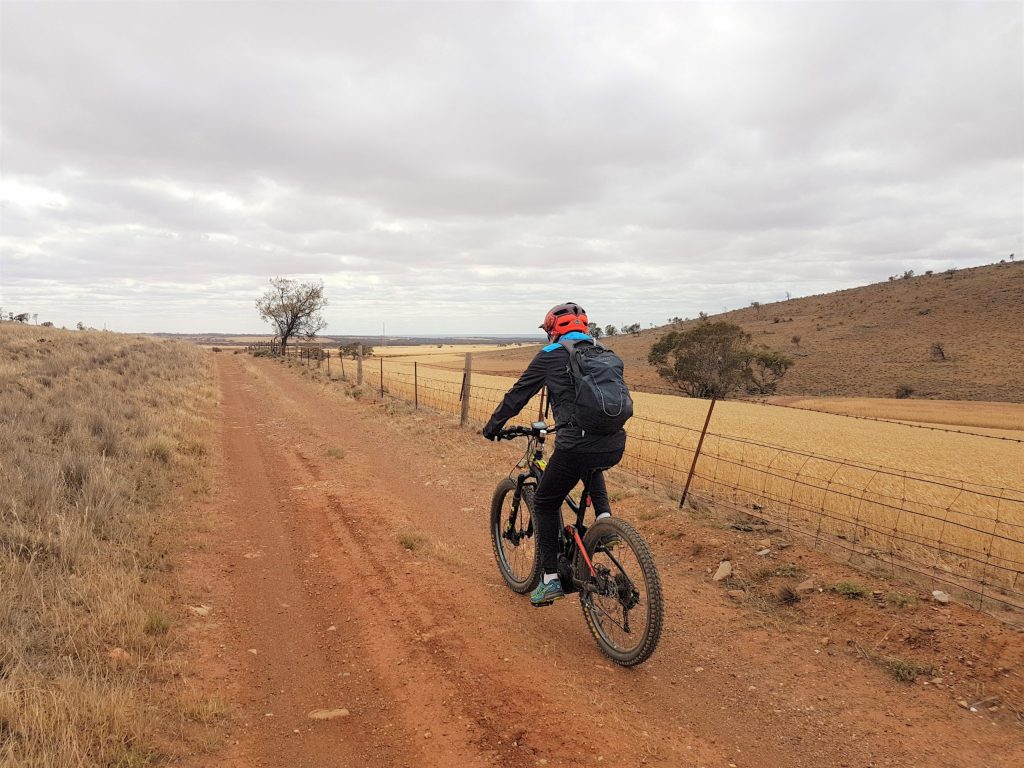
<point>870,341</point>
<point>316,604</point>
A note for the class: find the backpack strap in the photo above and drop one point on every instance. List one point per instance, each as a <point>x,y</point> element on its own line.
<point>574,367</point>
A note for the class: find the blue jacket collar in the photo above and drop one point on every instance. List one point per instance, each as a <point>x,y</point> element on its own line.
<point>571,336</point>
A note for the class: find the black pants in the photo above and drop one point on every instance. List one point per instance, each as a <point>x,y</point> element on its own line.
<point>564,470</point>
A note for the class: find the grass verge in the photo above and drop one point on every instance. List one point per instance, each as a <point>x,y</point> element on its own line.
<point>100,432</point>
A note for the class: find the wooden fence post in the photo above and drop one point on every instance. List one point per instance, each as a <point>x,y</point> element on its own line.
<point>341,359</point>
<point>328,363</point>
<point>416,385</point>
<point>382,378</point>
<point>359,364</point>
<point>696,453</point>
<point>466,385</point>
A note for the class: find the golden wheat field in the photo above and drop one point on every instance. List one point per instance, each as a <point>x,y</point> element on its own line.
<point>995,417</point>
<point>99,431</point>
<point>949,506</point>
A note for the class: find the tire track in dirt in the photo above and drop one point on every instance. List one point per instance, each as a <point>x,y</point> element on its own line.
<point>431,642</point>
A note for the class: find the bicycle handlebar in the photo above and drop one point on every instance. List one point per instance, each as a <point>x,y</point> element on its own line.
<point>520,431</point>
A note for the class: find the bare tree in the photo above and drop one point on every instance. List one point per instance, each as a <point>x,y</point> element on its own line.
<point>293,309</point>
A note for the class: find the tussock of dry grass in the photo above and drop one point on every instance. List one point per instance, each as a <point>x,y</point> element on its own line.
<point>98,429</point>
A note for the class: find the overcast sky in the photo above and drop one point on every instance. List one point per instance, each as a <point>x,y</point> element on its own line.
<point>459,167</point>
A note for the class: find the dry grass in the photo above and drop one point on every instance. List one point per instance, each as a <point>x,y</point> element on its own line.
<point>99,430</point>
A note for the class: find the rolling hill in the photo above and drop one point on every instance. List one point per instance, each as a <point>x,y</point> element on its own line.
<point>873,340</point>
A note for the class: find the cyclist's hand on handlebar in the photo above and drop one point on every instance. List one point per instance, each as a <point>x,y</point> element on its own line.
<point>491,432</point>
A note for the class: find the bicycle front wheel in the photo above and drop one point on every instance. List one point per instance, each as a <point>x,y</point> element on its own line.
<point>514,537</point>
<point>622,599</point>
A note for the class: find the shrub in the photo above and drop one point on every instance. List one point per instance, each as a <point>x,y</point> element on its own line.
<point>850,589</point>
<point>903,392</point>
<point>707,361</point>
<point>765,371</point>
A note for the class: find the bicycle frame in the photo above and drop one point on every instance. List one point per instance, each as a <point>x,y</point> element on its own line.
<point>533,461</point>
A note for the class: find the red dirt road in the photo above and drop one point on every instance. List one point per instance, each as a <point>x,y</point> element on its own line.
<point>315,604</point>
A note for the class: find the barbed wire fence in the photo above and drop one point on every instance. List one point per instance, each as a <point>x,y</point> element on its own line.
<point>964,537</point>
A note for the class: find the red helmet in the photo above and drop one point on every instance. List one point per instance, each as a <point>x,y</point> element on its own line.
<point>563,318</point>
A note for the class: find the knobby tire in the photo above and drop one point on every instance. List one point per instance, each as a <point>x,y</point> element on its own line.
<point>520,566</point>
<point>644,639</point>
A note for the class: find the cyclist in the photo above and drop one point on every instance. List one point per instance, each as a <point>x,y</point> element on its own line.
<point>576,454</point>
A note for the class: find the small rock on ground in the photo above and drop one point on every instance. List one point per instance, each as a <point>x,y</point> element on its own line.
<point>327,714</point>
<point>724,571</point>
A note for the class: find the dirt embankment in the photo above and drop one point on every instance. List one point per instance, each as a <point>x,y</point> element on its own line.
<point>347,567</point>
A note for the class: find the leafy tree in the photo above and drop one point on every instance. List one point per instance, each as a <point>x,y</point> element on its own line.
<point>352,350</point>
<point>708,361</point>
<point>633,329</point>
<point>594,330</point>
<point>47,324</point>
<point>765,371</point>
<point>611,330</point>
<point>757,307</point>
<point>293,309</point>
<point>21,318</point>
<point>80,325</point>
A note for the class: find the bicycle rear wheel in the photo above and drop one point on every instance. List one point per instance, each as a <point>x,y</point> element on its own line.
<point>622,602</point>
<point>514,537</point>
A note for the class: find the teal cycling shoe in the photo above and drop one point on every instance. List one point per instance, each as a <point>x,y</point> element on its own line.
<point>546,593</point>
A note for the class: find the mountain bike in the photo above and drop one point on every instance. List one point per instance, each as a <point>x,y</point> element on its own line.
<point>608,563</point>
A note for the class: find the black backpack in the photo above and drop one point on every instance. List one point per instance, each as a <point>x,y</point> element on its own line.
<point>603,404</point>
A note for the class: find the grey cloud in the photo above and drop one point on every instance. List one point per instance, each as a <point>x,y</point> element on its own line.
<point>435,161</point>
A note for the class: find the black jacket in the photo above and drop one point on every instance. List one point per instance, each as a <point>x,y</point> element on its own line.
<point>550,368</point>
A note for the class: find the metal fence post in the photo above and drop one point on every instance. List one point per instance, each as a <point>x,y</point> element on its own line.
<point>696,453</point>
<point>382,377</point>
<point>359,364</point>
<point>466,384</point>
<point>416,384</point>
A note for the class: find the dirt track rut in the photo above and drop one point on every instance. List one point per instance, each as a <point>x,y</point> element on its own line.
<point>317,605</point>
